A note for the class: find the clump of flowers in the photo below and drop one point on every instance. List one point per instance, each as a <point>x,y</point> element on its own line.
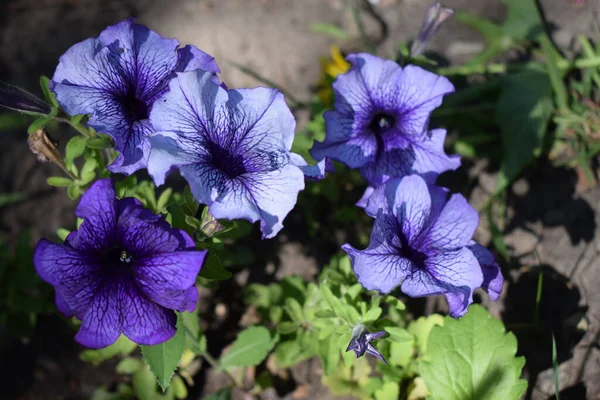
<point>124,270</point>
<point>422,243</point>
<point>116,78</point>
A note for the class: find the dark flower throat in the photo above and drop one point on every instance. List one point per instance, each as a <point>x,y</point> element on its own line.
<point>381,123</point>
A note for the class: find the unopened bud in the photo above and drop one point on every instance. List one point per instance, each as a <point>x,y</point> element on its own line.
<point>434,17</point>
<point>17,99</point>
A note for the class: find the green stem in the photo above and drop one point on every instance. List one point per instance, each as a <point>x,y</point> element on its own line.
<point>78,127</point>
<point>215,364</point>
<point>562,64</point>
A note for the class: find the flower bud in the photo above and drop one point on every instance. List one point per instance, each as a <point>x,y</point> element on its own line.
<point>20,100</point>
<point>434,17</point>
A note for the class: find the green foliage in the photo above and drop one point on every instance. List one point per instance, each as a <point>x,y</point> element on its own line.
<point>250,348</point>
<point>162,359</point>
<point>121,347</point>
<point>472,358</point>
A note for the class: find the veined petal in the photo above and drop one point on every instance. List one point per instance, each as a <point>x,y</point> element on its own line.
<point>364,199</point>
<point>144,321</point>
<point>146,234</point>
<point>492,276</point>
<point>389,164</point>
<point>190,58</point>
<point>454,226</point>
<point>419,93</point>
<point>190,104</point>
<point>98,210</point>
<point>455,274</point>
<point>429,155</point>
<point>257,111</point>
<point>133,148</point>
<point>144,56</point>
<point>167,278</point>
<point>380,266</point>
<point>262,196</point>
<point>101,323</point>
<point>167,152</point>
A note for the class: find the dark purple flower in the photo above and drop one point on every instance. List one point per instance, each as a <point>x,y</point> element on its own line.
<point>124,270</point>
<point>380,121</point>
<point>20,100</point>
<point>422,242</point>
<point>361,342</point>
<point>232,146</point>
<point>435,16</point>
<point>116,78</point>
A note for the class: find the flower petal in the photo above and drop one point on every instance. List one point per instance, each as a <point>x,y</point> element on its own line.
<point>393,163</point>
<point>144,321</point>
<point>364,199</point>
<point>419,92</point>
<point>190,58</point>
<point>260,110</point>
<point>133,146</point>
<point>101,324</point>
<point>492,276</point>
<point>97,207</point>
<point>145,234</point>
<point>429,155</point>
<point>456,274</point>
<point>142,55</point>
<point>166,154</point>
<point>454,226</point>
<point>189,105</point>
<point>380,267</point>
<point>262,196</point>
<point>314,172</point>
<point>167,278</point>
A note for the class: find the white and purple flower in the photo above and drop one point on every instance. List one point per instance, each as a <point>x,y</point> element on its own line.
<point>124,270</point>
<point>233,148</point>
<point>422,242</point>
<point>116,78</point>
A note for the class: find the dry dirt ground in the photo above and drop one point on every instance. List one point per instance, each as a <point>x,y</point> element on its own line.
<point>551,223</point>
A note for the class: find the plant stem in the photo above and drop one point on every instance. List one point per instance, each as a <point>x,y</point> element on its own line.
<point>215,364</point>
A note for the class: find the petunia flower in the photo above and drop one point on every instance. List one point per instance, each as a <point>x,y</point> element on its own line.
<point>17,99</point>
<point>116,78</point>
<point>380,121</point>
<point>422,242</point>
<point>232,147</point>
<point>434,17</point>
<point>361,340</point>
<point>124,270</point>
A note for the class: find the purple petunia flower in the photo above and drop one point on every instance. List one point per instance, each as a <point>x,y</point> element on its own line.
<point>116,78</point>
<point>232,146</point>
<point>380,121</point>
<point>422,242</point>
<point>361,342</point>
<point>124,270</point>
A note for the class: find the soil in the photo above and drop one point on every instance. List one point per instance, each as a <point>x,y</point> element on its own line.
<point>553,229</point>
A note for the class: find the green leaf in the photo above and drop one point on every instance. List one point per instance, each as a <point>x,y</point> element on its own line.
<point>372,315</point>
<point>329,354</point>
<point>421,327</point>
<point>163,199</point>
<point>48,95</point>
<point>552,56</point>
<point>250,348</point>
<point>38,124</point>
<point>286,328</point>
<point>212,268</point>
<point>129,365</point>
<point>62,233</point>
<point>59,181</point>
<point>472,358</point>
<point>334,302</point>
<point>73,191</point>
<point>144,384</point>
<point>294,309</point>
<point>399,335</point>
<point>163,358</point>
<point>523,20</point>
<point>389,391</point>
<point>123,346</point>
<point>100,142</point>
<point>75,148</point>
<point>524,109</point>
<point>179,389</point>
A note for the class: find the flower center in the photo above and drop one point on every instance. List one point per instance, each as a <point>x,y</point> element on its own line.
<point>230,164</point>
<point>381,123</point>
<point>119,258</point>
<point>136,108</point>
